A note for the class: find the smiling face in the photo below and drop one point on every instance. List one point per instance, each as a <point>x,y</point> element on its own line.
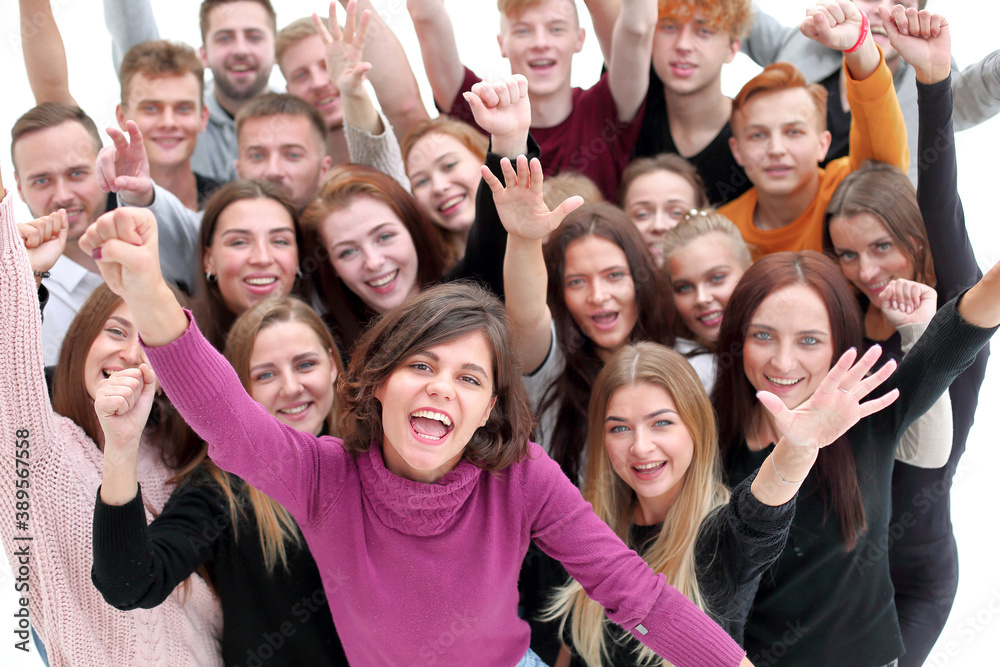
<point>285,150</point>
<point>777,138</point>
<point>239,49</point>
<point>253,254</point>
<point>292,375</point>
<point>688,57</point>
<point>703,274</point>
<point>540,44</point>
<point>372,252</point>
<point>649,446</point>
<point>169,113</point>
<point>444,177</point>
<point>303,65</point>
<point>115,348</point>
<point>656,202</point>
<point>599,292</point>
<point>868,255</point>
<point>788,348</point>
<point>433,403</point>
<point>55,168</point>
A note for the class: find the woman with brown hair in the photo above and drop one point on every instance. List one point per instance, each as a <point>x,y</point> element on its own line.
<point>789,317</point>
<point>247,545</point>
<point>59,455</point>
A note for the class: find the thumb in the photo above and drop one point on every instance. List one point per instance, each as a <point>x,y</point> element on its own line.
<point>475,103</point>
<point>782,415</point>
<point>134,184</point>
<point>149,382</point>
<point>567,207</point>
<point>128,255</point>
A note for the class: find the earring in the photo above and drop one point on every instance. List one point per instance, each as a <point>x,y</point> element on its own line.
<point>209,277</point>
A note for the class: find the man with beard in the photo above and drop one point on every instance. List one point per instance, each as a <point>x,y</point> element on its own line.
<point>237,45</point>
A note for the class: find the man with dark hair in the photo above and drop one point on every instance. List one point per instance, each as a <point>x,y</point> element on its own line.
<point>237,45</point>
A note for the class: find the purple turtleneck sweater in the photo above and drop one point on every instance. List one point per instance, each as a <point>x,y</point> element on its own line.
<point>427,573</point>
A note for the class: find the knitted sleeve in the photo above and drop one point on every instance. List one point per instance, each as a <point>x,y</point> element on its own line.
<point>564,525</point>
<point>381,151</point>
<point>303,472</point>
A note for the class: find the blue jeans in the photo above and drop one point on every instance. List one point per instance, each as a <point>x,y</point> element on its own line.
<point>531,659</point>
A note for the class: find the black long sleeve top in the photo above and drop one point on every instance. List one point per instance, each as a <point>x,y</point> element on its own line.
<point>279,617</point>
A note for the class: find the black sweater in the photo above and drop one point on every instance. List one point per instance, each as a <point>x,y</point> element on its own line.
<point>279,617</point>
<point>735,545</point>
<point>820,605</point>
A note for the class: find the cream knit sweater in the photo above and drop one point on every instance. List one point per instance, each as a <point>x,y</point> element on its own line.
<point>63,474</point>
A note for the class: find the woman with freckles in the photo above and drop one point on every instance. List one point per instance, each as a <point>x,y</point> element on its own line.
<point>789,318</point>
<point>878,229</point>
<point>433,489</point>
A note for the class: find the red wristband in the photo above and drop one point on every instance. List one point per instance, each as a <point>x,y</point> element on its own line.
<point>864,33</point>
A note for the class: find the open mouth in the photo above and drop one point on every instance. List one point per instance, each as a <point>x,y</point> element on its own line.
<point>327,101</point>
<point>451,204</point>
<point>259,282</point>
<point>241,68</point>
<point>681,69</point>
<point>542,63</point>
<point>783,382</point>
<point>711,319</point>
<point>383,281</point>
<point>875,288</point>
<point>605,320</point>
<point>430,424</point>
<point>296,410</point>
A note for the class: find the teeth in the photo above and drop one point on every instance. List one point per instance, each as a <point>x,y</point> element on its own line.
<point>644,467</point>
<point>260,281</point>
<point>106,372</point>
<point>384,280</point>
<point>542,63</point>
<point>326,100</point>
<point>709,316</point>
<point>782,382</point>
<point>604,317</point>
<point>240,68</point>
<point>295,411</point>
<point>878,286</point>
<point>428,414</point>
<point>450,201</point>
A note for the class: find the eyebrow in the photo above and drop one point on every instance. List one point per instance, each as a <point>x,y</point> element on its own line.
<point>48,172</point>
<point>616,267</point>
<point>121,320</point>
<point>296,358</point>
<point>373,231</point>
<point>276,230</point>
<point>764,327</point>
<point>468,366</point>
<point>656,413</point>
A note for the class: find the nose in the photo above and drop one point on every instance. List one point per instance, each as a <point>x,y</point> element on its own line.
<point>439,385</point>
<point>132,354</point>
<point>318,77</point>
<point>373,259</point>
<point>775,144</point>
<point>783,359</point>
<point>274,171</point>
<point>701,294</point>
<point>642,444</point>
<point>684,38</point>
<point>540,38</point>
<point>598,294</point>
<point>869,269</point>
<point>661,222</point>
<point>167,118</point>
<point>63,194</point>
<point>439,183</point>
<point>260,254</point>
<point>290,385</point>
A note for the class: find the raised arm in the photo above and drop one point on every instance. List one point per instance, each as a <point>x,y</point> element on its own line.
<point>345,67</point>
<point>391,76</point>
<point>840,25</point>
<point>631,52</point>
<point>977,92</point>
<point>527,221</point>
<point>438,49</point>
<point>767,37</point>
<point>129,22</point>
<point>603,16</point>
<point>44,53</point>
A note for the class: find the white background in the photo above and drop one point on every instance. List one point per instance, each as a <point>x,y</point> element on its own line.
<point>976,616</point>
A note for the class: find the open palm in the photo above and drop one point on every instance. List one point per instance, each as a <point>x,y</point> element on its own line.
<point>519,203</point>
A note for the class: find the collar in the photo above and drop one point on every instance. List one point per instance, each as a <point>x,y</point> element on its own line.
<point>415,508</point>
<point>68,274</point>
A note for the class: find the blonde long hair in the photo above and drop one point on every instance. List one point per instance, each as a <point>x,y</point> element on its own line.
<point>672,551</point>
<point>275,526</point>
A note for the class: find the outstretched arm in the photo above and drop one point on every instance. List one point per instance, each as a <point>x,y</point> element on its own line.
<point>345,67</point>
<point>977,92</point>
<point>604,15</point>
<point>391,76</point>
<point>130,22</point>
<point>631,52</point>
<point>44,53</point>
<point>527,221</point>
<point>438,49</point>
<point>829,413</point>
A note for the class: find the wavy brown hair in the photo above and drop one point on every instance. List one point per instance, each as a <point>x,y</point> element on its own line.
<point>439,315</point>
<point>734,398</point>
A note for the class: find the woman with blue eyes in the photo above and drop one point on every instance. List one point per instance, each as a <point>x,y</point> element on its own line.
<point>246,545</point>
<point>878,229</point>
<point>249,245</point>
<point>788,319</point>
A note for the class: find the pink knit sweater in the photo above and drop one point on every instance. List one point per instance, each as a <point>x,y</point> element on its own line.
<point>63,473</point>
<point>426,574</point>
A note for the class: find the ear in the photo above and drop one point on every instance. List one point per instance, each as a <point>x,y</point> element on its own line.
<point>203,56</point>
<point>489,411</point>
<point>579,40</point>
<point>325,165</point>
<point>236,163</point>
<point>734,48</point>
<point>208,264</point>
<point>734,146</point>
<point>120,117</point>
<point>20,192</point>
<point>379,392</point>
<point>204,118</point>
<point>503,51</point>
<point>333,366</point>
<point>824,144</point>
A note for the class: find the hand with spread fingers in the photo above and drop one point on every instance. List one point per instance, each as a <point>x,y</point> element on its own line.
<point>124,167</point>
<point>519,203</point>
<point>343,47</point>
<point>45,240</point>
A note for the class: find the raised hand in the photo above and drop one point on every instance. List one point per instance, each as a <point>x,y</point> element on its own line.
<point>124,167</point>
<point>45,240</point>
<point>501,107</point>
<point>343,47</point>
<point>519,203</point>
<point>124,243</point>
<point>836,24</point>
<point>907,302</point>
<point>835,406</point>
<point>921,38</point>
